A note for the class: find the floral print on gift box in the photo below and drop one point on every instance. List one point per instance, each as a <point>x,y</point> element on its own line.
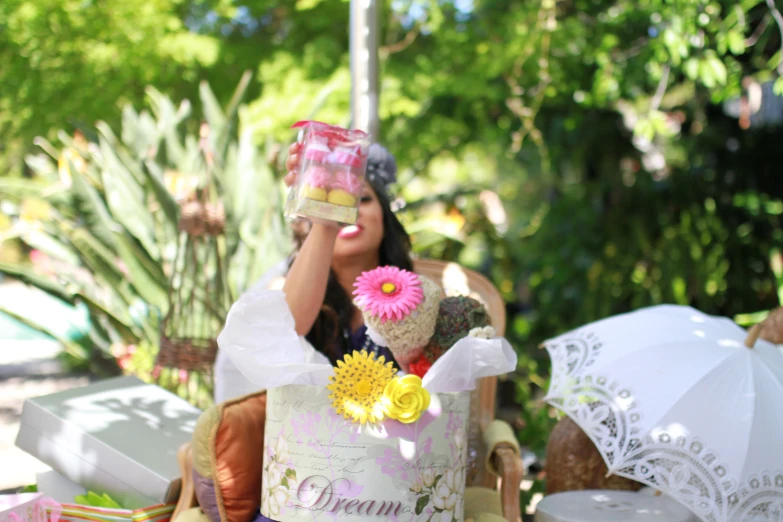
<point>439,495</point>
<point>280,479</point>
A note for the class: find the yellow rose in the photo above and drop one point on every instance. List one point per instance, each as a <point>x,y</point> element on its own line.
<point>404,399</point>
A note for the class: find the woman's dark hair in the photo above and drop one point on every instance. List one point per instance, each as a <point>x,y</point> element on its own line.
<point>334,320</point>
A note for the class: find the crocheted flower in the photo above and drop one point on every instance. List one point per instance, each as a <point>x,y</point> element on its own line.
<point>482,332</point>
<point>457,317</point>
<point>404,399</point>
<point>420,367</point>
<point>388,292</point>
<point>358,385</point>
<point>408,335</point>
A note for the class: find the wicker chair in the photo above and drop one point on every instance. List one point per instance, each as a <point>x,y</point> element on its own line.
<point>505,460</point>
<point>495,467</point>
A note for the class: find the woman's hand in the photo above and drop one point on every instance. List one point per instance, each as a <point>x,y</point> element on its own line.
<point>292,163</point>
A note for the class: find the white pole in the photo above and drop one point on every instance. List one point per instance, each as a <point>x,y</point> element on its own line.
<point>364,65</point>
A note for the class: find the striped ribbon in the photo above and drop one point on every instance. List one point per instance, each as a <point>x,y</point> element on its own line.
<point>78,513</point>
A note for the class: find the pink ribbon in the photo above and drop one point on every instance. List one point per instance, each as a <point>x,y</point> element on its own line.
<point>55,509</point>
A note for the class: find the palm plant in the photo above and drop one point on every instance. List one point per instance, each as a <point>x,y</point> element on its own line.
<point>104,210</point>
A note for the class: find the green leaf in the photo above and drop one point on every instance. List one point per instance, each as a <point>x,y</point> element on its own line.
<point>121,322</point>
<point>51,246</point>
<point>168,120</point>
<point>139,133</point>
<point>777,87</point>
<point>733,17</point>
<point>719,71</point>
<point>290,473</point>
<point>306,5</point>
<point>152,267</point>
<point>164,198</point>
<point>89,206</point>
<point>645,128</point>
<point>125,197</point>
<point>72,347</point>
<point>691,67</point>
<point>28,276</point>
<point>147,280</point>
<point>284,482</point>
<point>736,42</point>
<point>118,157</point>
<point>721,43</point>
<point>213,112</point>
<point>706,74</point>
<point>19,188</point>
<point>222,122</point>
<point>95,500</point>
<point>100,260</point>
<point>422,503</point>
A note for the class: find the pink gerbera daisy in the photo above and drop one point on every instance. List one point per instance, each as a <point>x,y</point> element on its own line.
<point>388,292</point>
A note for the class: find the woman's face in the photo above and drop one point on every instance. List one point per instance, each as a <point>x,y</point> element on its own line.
<point>363,238</point>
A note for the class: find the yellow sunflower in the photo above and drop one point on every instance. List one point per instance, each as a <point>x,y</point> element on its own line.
<point>357,386</point>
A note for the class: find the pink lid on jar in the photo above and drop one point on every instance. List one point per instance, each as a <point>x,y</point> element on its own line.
<point>312,124</point>
<point>333,135</point>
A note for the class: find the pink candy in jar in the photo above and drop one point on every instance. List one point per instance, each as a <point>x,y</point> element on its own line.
<point>316,182</point>
<point>347,184</point>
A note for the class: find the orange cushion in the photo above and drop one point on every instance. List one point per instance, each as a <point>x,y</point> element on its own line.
<point>228,457</point>
<point>239,455</point>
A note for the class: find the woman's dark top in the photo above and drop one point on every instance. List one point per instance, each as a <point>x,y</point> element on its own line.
<point>359,340</point>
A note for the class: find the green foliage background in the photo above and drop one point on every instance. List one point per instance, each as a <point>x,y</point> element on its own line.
<point>584,154</point>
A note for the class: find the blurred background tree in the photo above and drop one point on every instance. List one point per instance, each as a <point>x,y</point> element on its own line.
<point>590,156</point>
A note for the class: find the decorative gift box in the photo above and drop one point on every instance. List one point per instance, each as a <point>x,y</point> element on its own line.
<point>363,440</point>
<point>118,436</point>
<point>319,466</point>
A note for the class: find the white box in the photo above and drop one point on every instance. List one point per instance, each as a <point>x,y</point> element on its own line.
<point>53,485</point>
<point>118,436</point>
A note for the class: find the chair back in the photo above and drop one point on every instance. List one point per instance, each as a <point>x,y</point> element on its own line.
<point>458,280</point>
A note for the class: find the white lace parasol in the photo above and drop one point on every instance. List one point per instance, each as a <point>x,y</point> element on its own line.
<point>673,398</point>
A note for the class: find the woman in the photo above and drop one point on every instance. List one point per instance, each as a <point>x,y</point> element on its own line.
<point>328,260</point>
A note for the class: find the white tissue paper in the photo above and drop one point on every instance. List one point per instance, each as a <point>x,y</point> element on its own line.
<point>261,340</point>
